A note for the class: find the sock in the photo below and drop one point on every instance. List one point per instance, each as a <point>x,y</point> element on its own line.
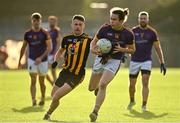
<point>144,103</point>
<point>132,99</point>
<point>95,112</point>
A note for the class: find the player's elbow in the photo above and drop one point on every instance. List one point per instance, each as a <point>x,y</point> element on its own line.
<point>49,49</point>
<point>133,50</point>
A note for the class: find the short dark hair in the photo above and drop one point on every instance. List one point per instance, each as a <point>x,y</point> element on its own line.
<point>122,13</point>
<point>36,16</point>
<point>79,17</point>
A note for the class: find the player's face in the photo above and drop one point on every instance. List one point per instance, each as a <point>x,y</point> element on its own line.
<point>78,27</point>
<point>114,21</point>
<point>143,20</point>
<point>52,23</point>
<point>36,23</point>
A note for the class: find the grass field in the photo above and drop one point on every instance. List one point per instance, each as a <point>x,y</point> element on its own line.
<point>163,106</point>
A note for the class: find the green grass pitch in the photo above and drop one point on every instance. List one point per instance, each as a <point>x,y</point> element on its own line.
<point>163,105</point>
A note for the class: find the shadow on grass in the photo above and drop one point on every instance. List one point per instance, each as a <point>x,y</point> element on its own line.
<point>144,115</point>
<point>28,109</point>
<point>48,98</point>
<point>57,121</point>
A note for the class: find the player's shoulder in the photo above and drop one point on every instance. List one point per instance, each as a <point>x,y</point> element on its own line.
<point>135,28</point>
<point>57,29</point>
<point>128,30</point>
<point>105,26</point>
<point>150,28</point>
<point>87,37</point>
<point>44,30</point>
<point>68,35</point>
<point>28,31</point>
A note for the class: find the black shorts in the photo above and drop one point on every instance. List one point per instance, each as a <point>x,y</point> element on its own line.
<point>65,76</point>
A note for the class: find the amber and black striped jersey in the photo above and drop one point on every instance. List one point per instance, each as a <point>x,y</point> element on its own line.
<point>76,54</point>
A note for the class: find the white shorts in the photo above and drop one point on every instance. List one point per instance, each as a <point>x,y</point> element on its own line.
<point>135,67</point>
<point>112,65</point>
<point>41,68</point>
<point>50,59</point>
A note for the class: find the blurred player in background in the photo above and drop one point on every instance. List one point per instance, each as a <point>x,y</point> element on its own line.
<point>3,56</point>
<point>145,38</point>
<point>39,46</point>
<point>55,34</point>
<point>105,68</point>
<point>76,47</point>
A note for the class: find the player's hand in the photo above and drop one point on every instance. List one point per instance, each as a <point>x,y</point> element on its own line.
<point>123,59</point>
<point>163,69</point>
<point>95,50</point>
<point>38,61</point>
<point>117,48</point>
<point>105,59</point>
<point>54,65</point>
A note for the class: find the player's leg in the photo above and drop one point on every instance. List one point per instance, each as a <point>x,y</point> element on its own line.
<point>43,69</point>
<point>133,74</point>
<point>53,72</point>
<point>145,88</point>
<point>96,75</point>
<point>43,89</point>
<point>64,88</point>
<point>110,69</point>
<point>55,88</point>
<point>50,61</point>
<point>49,79</point>
<point>107,76</point>
<point>94,81</point>
<point>32,68</point>
<point>33,88</point>
<point>132,90</point>
<point>146,71</point>
<point>59,82</point>
<point>62,91</point>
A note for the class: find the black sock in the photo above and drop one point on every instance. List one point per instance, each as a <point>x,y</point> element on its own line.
<point>95,112</point>
<point>144,103</point>
<point>48,113</point>
<point>132,99</point>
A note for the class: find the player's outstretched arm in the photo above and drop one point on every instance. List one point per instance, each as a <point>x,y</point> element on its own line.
<point>58,57</point>
<point>58,40</point>
<point>160,55</point>
<point>22,52</point>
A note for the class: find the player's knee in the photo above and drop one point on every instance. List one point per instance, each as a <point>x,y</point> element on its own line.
<point>145,84</point>
<point>33,82</point>
<point>132,86</point>
<point>55,98</point>
<point>91,88</point>
<point>42,84</point>
<point>102,85</point>
<point>52,94</point>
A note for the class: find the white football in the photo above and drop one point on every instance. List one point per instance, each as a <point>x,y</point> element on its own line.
<point>104,45</point>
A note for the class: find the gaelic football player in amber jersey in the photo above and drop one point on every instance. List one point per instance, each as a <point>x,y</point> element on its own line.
<point>75,47</point>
